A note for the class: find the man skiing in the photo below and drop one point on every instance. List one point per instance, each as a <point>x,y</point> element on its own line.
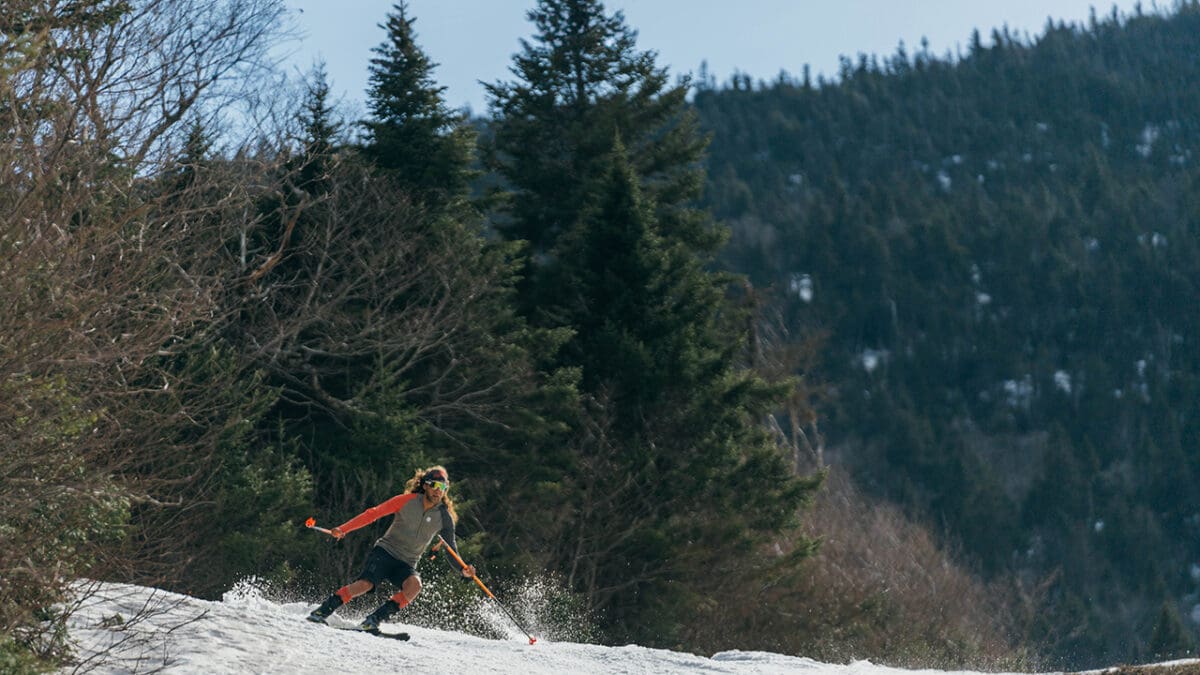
<point>421,512</point>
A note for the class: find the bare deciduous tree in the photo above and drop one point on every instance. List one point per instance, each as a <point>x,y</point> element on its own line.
<point>400,299</point>
<point>101,314</point>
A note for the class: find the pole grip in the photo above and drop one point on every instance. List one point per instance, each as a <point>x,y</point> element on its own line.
<point>311,524</point>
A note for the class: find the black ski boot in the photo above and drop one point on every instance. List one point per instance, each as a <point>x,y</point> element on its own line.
<point>371,623</point>
<point>321,613</point>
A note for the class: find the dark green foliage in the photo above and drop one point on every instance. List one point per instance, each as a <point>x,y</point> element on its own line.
<point>1003,248</point>
<point>582,83</point>
<point>320,131</point>
<point>668,472</point>
<point>387,325</point>
<point>1171,639</point>
<point>88,14</point>
<point>225,489</point>
<point>48,526</point>
<point>411,133</point>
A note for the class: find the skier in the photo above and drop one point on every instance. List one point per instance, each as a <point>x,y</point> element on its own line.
<point>423,511</point>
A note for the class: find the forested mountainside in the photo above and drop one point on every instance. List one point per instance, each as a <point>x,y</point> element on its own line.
<point>970,284</point>
<point>1000,251</point>
<point>207,340</point>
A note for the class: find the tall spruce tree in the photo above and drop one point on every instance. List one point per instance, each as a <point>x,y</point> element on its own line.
<point>670,474</point>
<point>581,82</point>
<point>411,132</point>
<point>319,132</point>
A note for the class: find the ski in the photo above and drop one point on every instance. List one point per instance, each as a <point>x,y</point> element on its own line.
<point>355,629</point>
<point>376,633</point>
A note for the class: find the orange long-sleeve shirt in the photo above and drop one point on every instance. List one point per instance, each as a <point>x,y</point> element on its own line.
<point>412,528</point>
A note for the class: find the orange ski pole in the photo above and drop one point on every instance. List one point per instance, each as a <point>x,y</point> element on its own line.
<point>485,590</point>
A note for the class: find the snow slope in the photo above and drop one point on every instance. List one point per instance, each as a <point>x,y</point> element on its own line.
<point>125,629</point>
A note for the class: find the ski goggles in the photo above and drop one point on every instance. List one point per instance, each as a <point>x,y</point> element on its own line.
<point>439,484</point>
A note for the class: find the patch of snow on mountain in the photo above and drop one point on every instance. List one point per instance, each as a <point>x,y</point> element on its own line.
<point>126,629</point>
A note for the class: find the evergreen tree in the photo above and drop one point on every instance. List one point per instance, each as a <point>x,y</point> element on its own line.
<point>411,132</point>
<point>319,132</point>
<point>670,473</point>
<point>197,151</point>
<point>582,81</point>
<point>1170,638</point>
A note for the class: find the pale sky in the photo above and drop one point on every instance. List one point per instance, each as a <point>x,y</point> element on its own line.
<point>474,40</point>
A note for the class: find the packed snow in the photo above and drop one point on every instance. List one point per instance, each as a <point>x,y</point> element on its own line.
<point>131,629</point>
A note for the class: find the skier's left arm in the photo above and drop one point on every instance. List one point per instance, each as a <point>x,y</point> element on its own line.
<point>447,535</point>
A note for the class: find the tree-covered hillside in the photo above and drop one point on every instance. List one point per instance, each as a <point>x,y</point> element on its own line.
<point>970,286</point>
<point>1002,247</point>
<point>207,339</point>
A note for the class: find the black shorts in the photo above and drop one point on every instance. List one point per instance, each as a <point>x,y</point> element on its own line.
<point>381,565</point>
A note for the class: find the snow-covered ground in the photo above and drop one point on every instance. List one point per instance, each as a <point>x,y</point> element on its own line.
<point>127,629</point>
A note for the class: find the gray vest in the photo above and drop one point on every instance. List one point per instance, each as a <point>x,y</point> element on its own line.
<point>413,528</point>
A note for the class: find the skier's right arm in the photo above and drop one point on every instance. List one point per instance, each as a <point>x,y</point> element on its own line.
<point>374,513</point>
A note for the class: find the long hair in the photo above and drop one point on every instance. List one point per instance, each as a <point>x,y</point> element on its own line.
<point>414,485</point>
